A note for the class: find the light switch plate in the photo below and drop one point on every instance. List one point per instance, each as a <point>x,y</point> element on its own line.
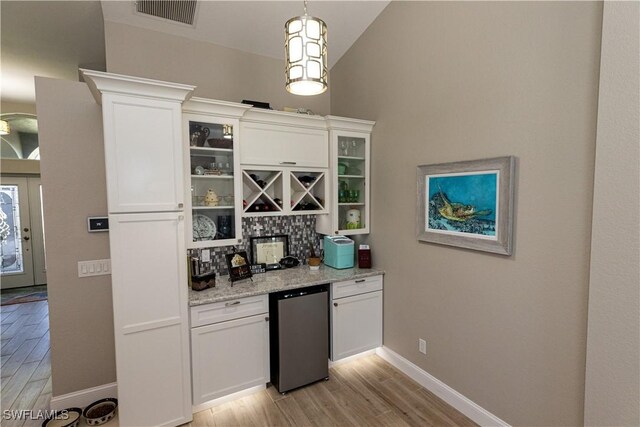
<point>96,267</point>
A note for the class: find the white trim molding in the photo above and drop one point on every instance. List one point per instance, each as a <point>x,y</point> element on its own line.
<point>100,82</point>
<point>82,398</point>
<point>469,408</point>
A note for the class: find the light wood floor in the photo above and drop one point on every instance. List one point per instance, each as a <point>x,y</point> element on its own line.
<point>365,392</point>
<point>25,370</point>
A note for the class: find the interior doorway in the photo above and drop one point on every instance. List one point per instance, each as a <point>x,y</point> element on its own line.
<point>22,241</point>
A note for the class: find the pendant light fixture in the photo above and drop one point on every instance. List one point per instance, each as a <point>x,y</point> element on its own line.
<point>306,54</point>
<point>5,129</point>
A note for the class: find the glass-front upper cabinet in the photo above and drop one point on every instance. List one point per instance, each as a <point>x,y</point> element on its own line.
<point>214,178</point>
<point>349,153</point>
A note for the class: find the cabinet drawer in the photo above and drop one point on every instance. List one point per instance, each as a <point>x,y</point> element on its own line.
<point>227,310</point>
<point>356,286</point>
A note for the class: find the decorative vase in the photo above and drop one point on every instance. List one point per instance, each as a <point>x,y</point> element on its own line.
<point>211,199</point>
<point>353,219</point>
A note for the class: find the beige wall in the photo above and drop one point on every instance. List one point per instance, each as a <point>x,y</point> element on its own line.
<point>218,72</point>
<point>460,81</point>
<point>17,107</point>
<point>612,394</point>
<point>74,187</point>
<point>20,166</point>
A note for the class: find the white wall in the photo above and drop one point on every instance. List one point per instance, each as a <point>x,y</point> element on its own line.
<point>612,392</point>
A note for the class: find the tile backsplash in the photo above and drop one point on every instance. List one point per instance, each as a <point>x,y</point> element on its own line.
<point>301,230</point>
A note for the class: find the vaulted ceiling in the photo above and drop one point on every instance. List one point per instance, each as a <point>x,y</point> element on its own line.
<point>55,38</point>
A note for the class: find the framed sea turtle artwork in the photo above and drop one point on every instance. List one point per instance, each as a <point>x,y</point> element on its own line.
<point>468,204</point>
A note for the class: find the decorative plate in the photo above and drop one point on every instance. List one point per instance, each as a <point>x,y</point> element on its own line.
<point>203,228</point>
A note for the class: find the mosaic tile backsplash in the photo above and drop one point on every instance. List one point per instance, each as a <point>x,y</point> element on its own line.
<point>301,230</point>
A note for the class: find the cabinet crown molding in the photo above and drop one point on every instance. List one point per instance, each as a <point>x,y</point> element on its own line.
<point>213,106</point>
<point>100,82</point>
<point>349,124</point>
<point>259,115</point>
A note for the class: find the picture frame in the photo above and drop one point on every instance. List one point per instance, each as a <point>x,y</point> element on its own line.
<point>238,265</point>
<point>269,249</point>
<point>467,204</point>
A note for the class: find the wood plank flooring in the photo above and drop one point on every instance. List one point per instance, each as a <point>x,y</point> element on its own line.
<point>364,392</point>
<point>25,370</point>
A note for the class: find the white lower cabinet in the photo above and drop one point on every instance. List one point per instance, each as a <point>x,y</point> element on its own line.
<point>356,316</point>
<point>231,354</point>
<point>151,323</point>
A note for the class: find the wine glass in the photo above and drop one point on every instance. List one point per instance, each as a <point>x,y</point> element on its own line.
<point>343,147</point>
<point>354,148</point>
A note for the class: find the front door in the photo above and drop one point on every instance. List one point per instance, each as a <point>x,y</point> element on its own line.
<point>21,233</point>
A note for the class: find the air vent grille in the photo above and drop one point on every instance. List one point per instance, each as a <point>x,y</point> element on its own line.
<point>174,10</point>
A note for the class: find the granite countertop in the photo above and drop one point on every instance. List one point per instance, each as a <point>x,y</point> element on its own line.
<point>277,280</point>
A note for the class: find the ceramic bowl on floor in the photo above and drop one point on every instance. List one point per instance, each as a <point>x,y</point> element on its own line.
<point>69,417</point>
<point>100,411</point>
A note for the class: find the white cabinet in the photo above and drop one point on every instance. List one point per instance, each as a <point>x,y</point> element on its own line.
<point>229,348</point>
<point>212,166</point>
<point>356,316</point>
<point>275,138</point>
<point>150,318</point>
<point>144,170</point>
<point>141,129</point>
<point>350,154</point>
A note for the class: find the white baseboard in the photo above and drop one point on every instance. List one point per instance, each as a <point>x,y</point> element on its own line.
<point>227,398</point>
<point>469,408</point>
<point>82,398</point>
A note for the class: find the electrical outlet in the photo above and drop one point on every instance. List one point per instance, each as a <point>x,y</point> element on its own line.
<point>422,346</point>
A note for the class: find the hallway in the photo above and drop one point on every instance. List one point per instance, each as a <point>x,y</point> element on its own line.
<point>26,365</point>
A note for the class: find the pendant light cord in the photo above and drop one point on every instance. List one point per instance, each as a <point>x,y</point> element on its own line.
<point>305,7</point>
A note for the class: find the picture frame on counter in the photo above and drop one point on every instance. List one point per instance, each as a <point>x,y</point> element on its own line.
<point>467,204</point>
<point>269,250</point>
<point>238,265</point>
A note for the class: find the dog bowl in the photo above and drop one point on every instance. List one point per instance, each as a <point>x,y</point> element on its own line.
<point>100,411</point>
<point>69,417</point>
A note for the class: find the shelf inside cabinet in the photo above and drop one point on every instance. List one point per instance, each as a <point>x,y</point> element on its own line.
<point>212,176</point>
<point>207,208</point>
<point>207,151</point>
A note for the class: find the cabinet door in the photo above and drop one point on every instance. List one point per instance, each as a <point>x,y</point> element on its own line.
<point>356,324</point>
<point>143,154</point>
<point>229,356</point>
<point>275,145</point>
<point>151,323</point>
<point>350,185</point>
<point>213,181</point>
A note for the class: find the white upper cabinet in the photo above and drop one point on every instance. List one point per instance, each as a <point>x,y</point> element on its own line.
<point>275,138</point>
<point>350,154</point>
<point>213,181</point>
<point>143,154</point>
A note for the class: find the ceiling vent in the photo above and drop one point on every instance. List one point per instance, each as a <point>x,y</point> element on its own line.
<point>183,11</point>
